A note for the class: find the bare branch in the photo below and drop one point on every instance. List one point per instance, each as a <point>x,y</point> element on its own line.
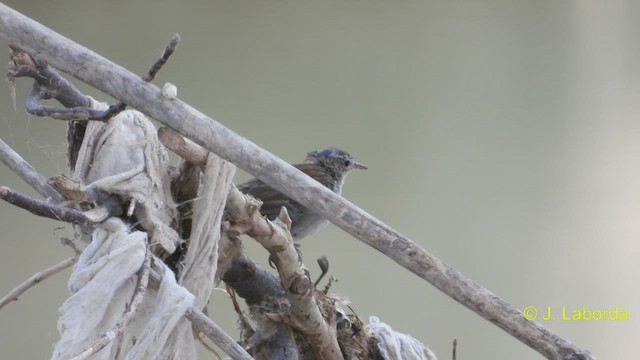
<point>36,279</point>
<point>26,172</point>
<point>49,84</point>
<point>216,334</point>
<point>48,80</point>
<point>120,106</point>
<point>51,211</point>
<point>164,57</point>
<point>185,148</point>
<point>67,114</point>
<point>455,349</point>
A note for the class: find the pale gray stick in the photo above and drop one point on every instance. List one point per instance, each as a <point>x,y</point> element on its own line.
<point>36,279</point>
<point>216,334</point>
<point>17,164</point>
<point>128,87</point>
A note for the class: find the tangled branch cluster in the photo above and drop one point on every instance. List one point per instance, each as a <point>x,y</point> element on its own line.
<point>289,317</point>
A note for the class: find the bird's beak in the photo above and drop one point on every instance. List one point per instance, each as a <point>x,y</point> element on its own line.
<point>355,165</point>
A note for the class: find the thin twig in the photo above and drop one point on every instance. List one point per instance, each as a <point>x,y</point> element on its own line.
<point>242,320</point>
<point>51,211</point>
<point>49,84</point>
<point>67,114</point>
<point>455,349</point>
<point>27,173</point>
<point>149,76</point>
<point>36,279</point>
<point>201,340</point>
<point>68,242</point>
<point>53,85</point>
<point>43,208</point>
<point>127,316</point>
<point>216,334</point>
<point>164,57</point>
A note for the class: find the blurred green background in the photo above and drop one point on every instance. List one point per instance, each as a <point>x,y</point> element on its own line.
<point>502,136</point>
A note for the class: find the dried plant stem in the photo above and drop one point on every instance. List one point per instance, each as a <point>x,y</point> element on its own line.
<point>162,60</point>
<point>216,334</point>
<point>185,148</point>
<point>120,106</point>
<point>26,172</point>
<point>36,279</point>
<point>51,211</point>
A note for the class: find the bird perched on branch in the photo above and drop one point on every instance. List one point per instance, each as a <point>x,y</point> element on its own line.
<point>329,167</point>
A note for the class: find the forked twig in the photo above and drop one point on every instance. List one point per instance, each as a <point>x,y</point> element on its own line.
<point>49,84</point>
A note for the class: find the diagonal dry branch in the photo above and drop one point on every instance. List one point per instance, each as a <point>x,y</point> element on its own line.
<point>27,173</point>
<point>57,212</point>
<point>125,86</point>
<point>36,279</point>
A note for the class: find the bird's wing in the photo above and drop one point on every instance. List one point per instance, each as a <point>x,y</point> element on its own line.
<point>272,200</point>
<point>271,209</point>
<point>316,172</point>
<point>258,189</point>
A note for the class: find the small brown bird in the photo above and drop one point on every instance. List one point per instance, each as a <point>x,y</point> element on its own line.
<point>328,166</point>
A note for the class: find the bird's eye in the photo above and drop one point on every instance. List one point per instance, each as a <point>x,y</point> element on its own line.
<point>347,163</point>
